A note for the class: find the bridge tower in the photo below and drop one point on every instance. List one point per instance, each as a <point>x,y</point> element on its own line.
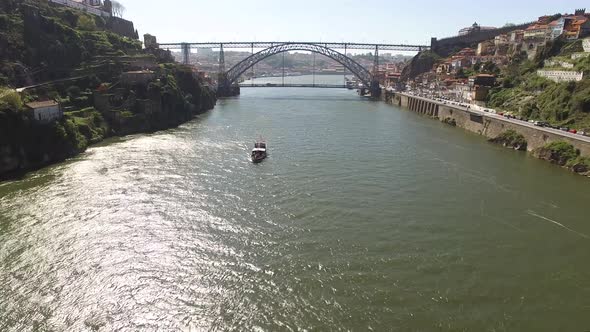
<point>375,88</point>
<point>224,88</point>
<point>186,51</point>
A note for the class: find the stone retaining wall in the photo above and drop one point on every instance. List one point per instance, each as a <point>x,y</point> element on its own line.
<point>485,125</point>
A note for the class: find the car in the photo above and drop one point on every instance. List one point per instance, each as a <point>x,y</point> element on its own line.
<point>573,131</point>
<point>564,129</point>
<point>583,133</point>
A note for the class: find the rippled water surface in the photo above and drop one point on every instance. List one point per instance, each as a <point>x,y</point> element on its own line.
<point>364,217</point>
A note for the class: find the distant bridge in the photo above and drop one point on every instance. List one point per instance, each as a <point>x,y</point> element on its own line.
<point>227,79</point>
<point>287,85</point>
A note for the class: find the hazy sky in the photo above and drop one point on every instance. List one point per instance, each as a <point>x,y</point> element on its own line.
<point>387,21</point>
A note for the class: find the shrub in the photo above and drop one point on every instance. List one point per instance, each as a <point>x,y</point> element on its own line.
<point>512,139</point>
<point>10,100</point>
<point>73,91</point>
<point>559,152</point>
<point>86,23</point>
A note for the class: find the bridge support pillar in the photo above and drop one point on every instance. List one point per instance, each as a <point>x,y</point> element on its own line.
<point>224,86</point>
<point>375,89</point>
<point>186,51</point>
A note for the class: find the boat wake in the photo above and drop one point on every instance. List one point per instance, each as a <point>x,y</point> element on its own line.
<point>532,213</point>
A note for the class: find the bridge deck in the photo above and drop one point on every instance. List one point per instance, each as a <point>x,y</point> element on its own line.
<point>279,85</point>
<point>333,45</point>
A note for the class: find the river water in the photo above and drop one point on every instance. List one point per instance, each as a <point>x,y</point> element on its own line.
<point>364,217</point>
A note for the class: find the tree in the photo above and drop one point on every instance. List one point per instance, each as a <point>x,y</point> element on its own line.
<point>118,9</point>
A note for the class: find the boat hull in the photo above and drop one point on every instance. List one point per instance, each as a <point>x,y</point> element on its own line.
<point>258,158</point>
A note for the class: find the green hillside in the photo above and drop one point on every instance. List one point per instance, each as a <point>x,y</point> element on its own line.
<point>526,94</point>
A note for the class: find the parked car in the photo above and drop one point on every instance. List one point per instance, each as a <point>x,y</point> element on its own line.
<point>564,129</point>
<point>573,131</point>
<point>583,133</point>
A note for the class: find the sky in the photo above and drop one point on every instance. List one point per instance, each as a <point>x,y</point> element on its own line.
<point>372,21</point>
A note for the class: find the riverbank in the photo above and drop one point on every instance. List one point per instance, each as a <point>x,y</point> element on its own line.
<point>41,146</point>
<point>539,141</point>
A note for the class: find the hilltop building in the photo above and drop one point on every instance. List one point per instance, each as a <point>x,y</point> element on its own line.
<point>474,28</point>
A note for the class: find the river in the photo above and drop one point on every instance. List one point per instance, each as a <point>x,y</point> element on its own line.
<point>364,217</point>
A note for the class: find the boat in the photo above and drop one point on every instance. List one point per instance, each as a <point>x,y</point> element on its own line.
<point>259,152</point>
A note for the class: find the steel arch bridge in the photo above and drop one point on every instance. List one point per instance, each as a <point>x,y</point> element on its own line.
<point>328,49</point>
<point>354,67</point>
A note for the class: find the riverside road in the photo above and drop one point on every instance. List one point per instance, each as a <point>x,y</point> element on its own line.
<point>505,119</point>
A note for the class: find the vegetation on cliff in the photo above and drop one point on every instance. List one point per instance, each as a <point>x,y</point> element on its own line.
<point>525,93</point>
<point>511,139</point>
<point>564,154</point>
<point>40,42</point>
<point>81,65</point>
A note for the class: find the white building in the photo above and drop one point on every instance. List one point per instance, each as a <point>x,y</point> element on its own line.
<point>555,63</point>
<point>586,44</point>
<point>85,6</point>
<point>45,111</point>
<point>561,75</point>
<point>577,56</point>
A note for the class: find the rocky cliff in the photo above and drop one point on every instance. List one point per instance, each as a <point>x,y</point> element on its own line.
<point>420,64</point>
<point>82,64</point>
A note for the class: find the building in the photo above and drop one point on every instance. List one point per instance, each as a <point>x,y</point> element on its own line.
<point>486,47</point>
<point>556,63</point>
<point>444,68</point>
<point>89,6</point>
<point>558,26</point>
<point>561,75</point>
<point>586,44</point>
<point>501,44</point>
<point>473,29</point>
<point>516,36</point>
<point>579,27</point>
<point>482,80</point>
<point>44,111</point>
<point>537,32</point>
<point>466,52</point>
<point>150,41</point>
<point>460,62</point>
<point>137,77</point>
<point>480,85</point>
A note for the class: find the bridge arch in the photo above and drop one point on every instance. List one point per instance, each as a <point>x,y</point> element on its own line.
<point>354,67</point>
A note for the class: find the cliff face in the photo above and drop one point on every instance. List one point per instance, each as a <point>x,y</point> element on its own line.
<point>420,64</point>
<point>84,63</point>
<point>40,41</point>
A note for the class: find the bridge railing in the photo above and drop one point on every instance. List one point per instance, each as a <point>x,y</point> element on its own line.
<point>333,45</point>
